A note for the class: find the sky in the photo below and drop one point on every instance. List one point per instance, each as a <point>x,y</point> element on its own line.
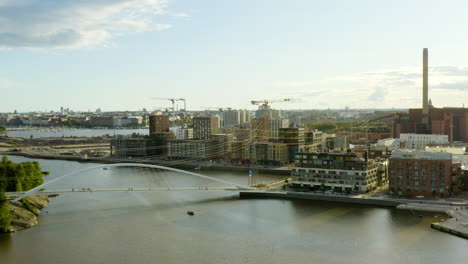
<point>121,54</point>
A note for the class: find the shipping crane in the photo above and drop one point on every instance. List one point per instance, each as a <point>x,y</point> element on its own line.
<point>173,100</point>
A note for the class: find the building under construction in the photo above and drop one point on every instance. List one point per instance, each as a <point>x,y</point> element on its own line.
<point>450,121</point>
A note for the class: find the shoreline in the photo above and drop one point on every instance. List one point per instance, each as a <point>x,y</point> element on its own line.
<point>25,214</point>
<point>186,165</point>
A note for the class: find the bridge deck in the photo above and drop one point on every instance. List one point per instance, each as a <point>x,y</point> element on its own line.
<point>82,190</point>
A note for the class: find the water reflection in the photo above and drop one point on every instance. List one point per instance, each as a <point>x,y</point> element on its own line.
<point>5,243</point>
<point>154,227</point>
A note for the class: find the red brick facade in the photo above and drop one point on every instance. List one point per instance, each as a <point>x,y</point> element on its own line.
<point>412,177</point>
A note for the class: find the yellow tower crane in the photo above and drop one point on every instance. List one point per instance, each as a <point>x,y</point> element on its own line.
<point>261,128</point>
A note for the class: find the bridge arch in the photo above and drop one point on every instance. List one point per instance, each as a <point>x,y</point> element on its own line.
<point>36,189</point>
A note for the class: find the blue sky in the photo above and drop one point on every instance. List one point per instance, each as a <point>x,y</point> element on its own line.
<point>118,54</point>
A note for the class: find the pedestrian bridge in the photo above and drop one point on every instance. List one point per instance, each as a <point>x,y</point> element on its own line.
<point>38,189</point>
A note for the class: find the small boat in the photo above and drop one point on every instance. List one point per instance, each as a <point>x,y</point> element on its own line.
<point>190,213</point>
<point>105,168</point>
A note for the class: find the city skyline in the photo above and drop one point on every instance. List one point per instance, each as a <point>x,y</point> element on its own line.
<point>116,55</point>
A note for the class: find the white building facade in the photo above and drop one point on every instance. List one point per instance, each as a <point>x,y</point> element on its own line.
<point>420,141</point>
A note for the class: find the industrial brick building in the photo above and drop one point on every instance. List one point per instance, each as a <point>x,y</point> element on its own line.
<point>413,173</point>
<point>450,121</point>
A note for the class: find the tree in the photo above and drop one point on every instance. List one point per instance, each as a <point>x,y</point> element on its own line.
<point>19,177</point>
<point>5,218</point>
<point>16,177</point>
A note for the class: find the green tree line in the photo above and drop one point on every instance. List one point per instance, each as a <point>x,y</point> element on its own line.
<point>371,127</point>
<point>16,177</point>
<point>2,129</point>
<point>326,126</point>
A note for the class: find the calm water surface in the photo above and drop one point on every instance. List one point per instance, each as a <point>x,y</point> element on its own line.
<point>154,227</point>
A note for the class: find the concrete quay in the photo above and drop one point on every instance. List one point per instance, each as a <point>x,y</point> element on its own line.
<point>457,224</point>
<point>322,197</point>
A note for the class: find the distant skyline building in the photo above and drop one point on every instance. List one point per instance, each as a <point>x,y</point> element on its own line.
<point>266,111</point>
<point>244,116</point>
<point>233,117</point>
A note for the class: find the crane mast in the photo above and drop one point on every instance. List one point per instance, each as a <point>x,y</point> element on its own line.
<point>261,132</point>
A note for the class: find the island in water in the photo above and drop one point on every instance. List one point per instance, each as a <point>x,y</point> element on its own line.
<point>17,177</point>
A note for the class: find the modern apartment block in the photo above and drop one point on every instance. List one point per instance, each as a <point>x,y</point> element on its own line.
<point>413,173</point>
<point>125,147</point>
<point>276,125</point>
<point>222,145</point>
<point>420,141</point>
<point>313,141</point>
<point>158,124</point>
<point>295,140</point>
<point>182,133</point>
<point>268,153</point>
<point>204,127</point>
<point>198,149</point>
<point>333,142</point>
<point>141,146</point>
<point>262,153</point>
<point>341,172</point>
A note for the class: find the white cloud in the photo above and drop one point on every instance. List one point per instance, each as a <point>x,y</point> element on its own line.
<point>399,88</point>
<point>180,15</point>
<point>75,23</point>
<point>7,84</point>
